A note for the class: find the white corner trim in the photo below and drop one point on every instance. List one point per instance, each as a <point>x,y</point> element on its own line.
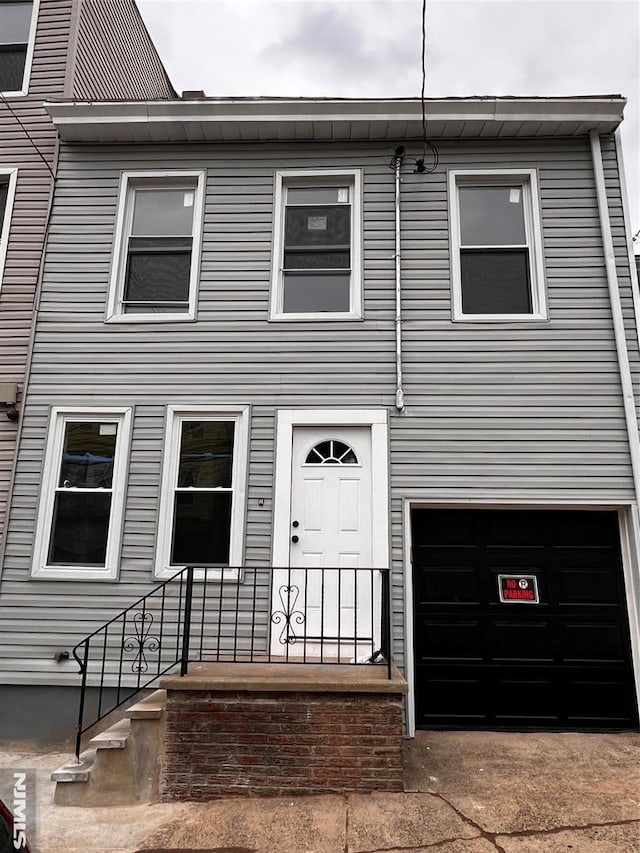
<point>124,216</point>
<point>377,420</point>
<point>289,177</point>
<point>533,229</point>
<point>175,415</point>
<point>60,416</point>
<point>28,62</point>
<point>409,653</point>
<point>630,547</point>
<point>5,228</point>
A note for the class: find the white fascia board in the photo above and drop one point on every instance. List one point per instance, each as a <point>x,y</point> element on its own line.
<point>78,120</point>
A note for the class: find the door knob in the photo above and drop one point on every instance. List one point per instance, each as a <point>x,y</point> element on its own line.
<point>295,523</point>
<point>295,538</point>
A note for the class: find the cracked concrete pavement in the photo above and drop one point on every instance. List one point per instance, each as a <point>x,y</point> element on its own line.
<point>465,792</point>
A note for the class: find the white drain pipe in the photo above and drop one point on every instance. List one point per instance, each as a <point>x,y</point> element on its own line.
<point>398,157</point>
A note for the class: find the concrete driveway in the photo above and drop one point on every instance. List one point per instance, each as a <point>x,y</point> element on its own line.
<point>465,793</point>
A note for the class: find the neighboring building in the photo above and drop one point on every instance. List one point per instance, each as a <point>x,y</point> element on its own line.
<point>50,48</point>
<point>216,371</point>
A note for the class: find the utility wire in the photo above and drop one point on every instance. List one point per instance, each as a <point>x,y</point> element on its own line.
<point>27,134</point>
<point>420,166</point>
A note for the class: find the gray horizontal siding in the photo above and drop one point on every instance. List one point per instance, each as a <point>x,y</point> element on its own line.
<point>528,412</point>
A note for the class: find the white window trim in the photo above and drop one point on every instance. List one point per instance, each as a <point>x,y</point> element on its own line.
<point>175,416</point>
<point>60,416</point>
<point>123,224</point>
<point>316,177</point>
<point>8,213</point>
<point>528,179</point>
<point>28,62</point>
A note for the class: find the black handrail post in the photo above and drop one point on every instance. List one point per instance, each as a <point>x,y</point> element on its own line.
<point>83,690</point>
<point>386,619</point>
<point>184,662</point>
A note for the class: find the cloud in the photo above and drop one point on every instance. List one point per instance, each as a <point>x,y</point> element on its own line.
<point>350,45</point>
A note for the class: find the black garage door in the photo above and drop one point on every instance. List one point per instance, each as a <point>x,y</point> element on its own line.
<point>562,663</point>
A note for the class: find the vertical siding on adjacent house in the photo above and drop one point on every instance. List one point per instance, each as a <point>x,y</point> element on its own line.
<point>115,57</point>
<point>520,411</point>
<point>28,217</point>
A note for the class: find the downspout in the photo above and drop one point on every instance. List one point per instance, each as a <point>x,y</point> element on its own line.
<point>633,272</point>
<point>627,394</point>
<point>616,313</point>
<point>398,157</point>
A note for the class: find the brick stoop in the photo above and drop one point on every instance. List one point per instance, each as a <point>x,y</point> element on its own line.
<point>281,730</point>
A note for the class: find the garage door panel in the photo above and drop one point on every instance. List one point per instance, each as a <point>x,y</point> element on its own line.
<point>571,527</point>
<point>599,695</point>
<point>458,693</point>
<point>592,641</point>
<point>582,586</point>
<point>526,696</point>
<point>455,584</point>
<point>456,639</point>
<point>527,640</point>
<point>563,662</point>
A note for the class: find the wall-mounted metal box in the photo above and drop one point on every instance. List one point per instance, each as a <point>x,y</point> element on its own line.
<point>8,393</point>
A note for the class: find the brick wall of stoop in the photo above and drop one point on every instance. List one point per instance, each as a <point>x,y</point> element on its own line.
<point>280,744</point>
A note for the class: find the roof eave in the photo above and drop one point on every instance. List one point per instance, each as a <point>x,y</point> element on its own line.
<point>281,119</point>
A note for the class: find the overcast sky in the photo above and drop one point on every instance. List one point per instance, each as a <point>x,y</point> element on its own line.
<point>371,48</point>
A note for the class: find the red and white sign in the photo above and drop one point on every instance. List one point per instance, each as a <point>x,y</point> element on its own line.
<point>518,589</point>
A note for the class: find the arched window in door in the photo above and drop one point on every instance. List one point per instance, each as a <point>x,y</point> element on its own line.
<point>331,452</point>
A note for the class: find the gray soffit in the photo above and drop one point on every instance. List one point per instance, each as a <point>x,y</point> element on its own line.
<point>286,119</point>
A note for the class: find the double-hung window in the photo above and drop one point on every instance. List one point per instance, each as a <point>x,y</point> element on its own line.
<point>17,35</point>
<point>497,261</point>
<point>203,487</point>
<point>7,191</point>
<point>317,245</point>
<point>80,515</point>
<point>157,249</point>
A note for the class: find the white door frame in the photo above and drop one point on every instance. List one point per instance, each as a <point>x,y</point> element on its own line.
<point>376,419</point>
<point>629,524</point>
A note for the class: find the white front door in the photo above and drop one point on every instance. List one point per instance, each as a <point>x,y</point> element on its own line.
<point>332,613</point>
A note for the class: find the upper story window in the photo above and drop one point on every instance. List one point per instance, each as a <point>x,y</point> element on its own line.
<point>7,191</point>
<point>81,510</point>
<point>497,263</point>
<point>17,35</point>
<point>317,246</point>
<point>157,248</point>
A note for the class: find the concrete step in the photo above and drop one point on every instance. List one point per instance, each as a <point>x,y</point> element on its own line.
<point>150,708</point>
<point>121,765</point>
<point>76,771</point>
<point>115,737</point>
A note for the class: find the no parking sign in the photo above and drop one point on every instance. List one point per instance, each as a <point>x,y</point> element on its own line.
<point>518,589</point>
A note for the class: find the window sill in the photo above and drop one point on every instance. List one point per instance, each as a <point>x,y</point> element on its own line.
<point>231,575</point>
<point>317,317</point>
<point>500,318</point>
<point>16,94</point>
<point>75,573</point>
<point>182,317</point>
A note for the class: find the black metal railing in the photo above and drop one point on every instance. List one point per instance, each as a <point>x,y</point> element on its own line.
<point>248,615</point>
